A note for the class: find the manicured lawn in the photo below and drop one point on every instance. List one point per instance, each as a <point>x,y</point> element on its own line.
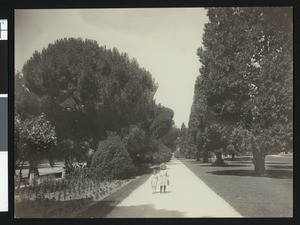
<point>252,196</point>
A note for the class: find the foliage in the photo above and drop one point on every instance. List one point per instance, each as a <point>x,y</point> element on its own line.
<point>239,141</point>
<point>170,139</point>
<point>163,154</point>
<point>27,104</point>
<point>112,159</point>
<point>182,140</point>
<point>64,197</point>
<point>35,140</point>
<point>162,121</point>
<point>144,140</point>
<point>135,142</point>
<point>87,89</point>
<point>70,151</point>
<point>246,80</point>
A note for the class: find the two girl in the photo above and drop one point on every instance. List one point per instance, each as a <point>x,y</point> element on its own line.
<point>162,178</point>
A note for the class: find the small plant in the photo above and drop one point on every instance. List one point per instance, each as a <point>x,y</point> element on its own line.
<point>79,188</point>
<point>36,194</point>
<point>97,195</point>
<point>59,195</point>
<point>65,193</point>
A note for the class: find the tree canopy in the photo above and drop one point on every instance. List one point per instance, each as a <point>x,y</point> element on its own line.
<point>245,81</point>
<point>35,140</point>
<point>87,89</point>
<point>87,92</point>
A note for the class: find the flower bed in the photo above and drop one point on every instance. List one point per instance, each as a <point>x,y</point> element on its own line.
<point>62,197</point>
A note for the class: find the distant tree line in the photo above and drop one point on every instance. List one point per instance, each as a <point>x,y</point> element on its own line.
<point>243,97</point>
<point>75,96</point>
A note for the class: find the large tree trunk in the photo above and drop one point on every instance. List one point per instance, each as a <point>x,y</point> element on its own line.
<point>258,157</point>
<point>67,160</point>
<point>89,156</point>
<point>219,161</point>
<point>33,167</point>
<point>33,172</point>
<point>20,176</point>
<point>205,157</point>
<point>259,163</point>
<point>68,164</point>
<point>232,155</point>
<point>198,156</point>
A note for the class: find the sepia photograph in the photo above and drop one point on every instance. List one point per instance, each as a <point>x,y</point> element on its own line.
<point>153,112</point>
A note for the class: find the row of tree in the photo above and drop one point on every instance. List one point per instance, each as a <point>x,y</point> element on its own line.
<point>243,97</point>
<point>74,94</point>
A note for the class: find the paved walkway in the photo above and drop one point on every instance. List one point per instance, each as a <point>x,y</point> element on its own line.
<point>186,196</point>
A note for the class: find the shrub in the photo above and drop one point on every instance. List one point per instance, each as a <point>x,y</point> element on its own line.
<point>134,139</point>
<point>163,154</point>
<point>111,160</point>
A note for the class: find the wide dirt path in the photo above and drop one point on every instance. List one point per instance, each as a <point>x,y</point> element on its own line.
<point>186,196</point>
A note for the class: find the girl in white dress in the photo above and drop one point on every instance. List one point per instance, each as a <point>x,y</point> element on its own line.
<point>154,180</point>
<point>164,178</point>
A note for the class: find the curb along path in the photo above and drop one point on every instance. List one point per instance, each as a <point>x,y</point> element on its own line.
<point>186,196</point>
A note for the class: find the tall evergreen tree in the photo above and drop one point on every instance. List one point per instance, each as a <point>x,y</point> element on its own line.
<point>247,78</point>
<point>87,89</point>
<point>182,142</point>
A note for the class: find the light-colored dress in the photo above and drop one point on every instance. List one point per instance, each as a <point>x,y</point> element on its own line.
<point>153,180</point>
<point>164,177</point>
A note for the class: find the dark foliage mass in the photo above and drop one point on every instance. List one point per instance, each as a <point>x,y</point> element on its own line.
<point>162,154</point>
<point>112,159</point>
<point>244,94</point>
<point>86,91</point>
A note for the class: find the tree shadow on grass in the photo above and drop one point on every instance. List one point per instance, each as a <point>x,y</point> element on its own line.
<point>228,165</point>
<point>210,164</point>
<point>246,162</point>
<point>280,167</point>
<point>197,162</point>
<point>281,174</point>
<point>267,163</point>
<point>244,158</point>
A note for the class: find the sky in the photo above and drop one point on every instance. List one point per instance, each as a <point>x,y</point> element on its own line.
<point>163,40</point>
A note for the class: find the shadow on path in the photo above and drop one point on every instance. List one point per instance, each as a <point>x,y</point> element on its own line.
<point>101,208</point>
<point>146,210</point>
<point>281,174</point>
<point>167,192</point>
<point>173,163</point>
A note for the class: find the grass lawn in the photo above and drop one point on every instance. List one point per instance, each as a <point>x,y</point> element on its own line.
<point>251,195</point>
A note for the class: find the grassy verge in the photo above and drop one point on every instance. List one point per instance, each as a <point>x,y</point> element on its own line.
<point>253,196</point>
